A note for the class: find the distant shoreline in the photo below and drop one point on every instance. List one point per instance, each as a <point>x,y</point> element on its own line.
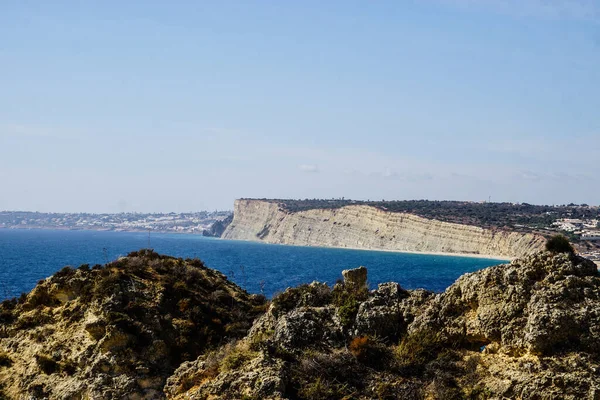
<point>430,253</point>
<point>444,254</point>
<point>58,228</point>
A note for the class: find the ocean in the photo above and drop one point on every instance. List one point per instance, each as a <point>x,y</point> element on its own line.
<point>26,256</point>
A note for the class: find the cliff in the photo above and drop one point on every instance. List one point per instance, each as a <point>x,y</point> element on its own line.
<point>217,229</point>
<point>366,227</point>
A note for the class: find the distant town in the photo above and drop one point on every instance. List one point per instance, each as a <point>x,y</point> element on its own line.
<point>193,222</point>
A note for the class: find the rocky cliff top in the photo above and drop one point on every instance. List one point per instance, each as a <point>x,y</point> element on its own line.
<point>526,330</point>
<point>119,330</point>
<point>150,326</point>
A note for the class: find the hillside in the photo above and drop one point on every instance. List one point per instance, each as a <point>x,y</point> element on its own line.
<point>367,227</point>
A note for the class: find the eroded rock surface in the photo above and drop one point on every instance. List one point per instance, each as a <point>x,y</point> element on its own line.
<point>526,330</point>
<point>149,326</point>
<point>117,331</point>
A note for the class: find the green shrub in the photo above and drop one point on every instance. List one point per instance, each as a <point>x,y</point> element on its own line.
<point>65,272</point>
<point>347,300</point>
<point>559,244</point>
<point>370,351</point>
<point>319,375</point>
<point>417,349</point>
<point>84,267</point>
<point>36,318</point>
<point>40,297</point>
<point>313,295</point>
<point>322,389</point>
<point>236,356</point>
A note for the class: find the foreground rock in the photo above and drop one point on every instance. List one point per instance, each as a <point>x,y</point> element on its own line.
<point>149,326</point>
<point>528,330</point>
<point>117,331</point>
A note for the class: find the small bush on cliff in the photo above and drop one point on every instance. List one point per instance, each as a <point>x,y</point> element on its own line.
<point>559,244</point>
<point>369,351</point>
<point>417,349</point>
<point>237,356</point>
<point>348,299</point>
<point>313,295</point>
<point>326,376</point>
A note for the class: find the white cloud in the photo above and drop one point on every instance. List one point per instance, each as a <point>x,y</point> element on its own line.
<point>309,168</point>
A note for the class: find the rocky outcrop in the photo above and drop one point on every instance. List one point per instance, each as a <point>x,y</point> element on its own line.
<point>218,227</point>
<point>117,331</point>
<point>150,327</point>
<point>366,227</point>
<point>526,330</point>
<point>538,305</point>
<point>356,277</point>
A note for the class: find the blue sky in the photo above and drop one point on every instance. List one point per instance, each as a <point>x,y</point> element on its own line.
<point>186,105</point>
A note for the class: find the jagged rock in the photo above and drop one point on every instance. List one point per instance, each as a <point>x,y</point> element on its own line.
<point>306,327</point>
<point>356,277</point>
<point>541,304</point>
<point>119,331</point>
<point>260,378</point>
<point>388,311</point>
<point>535,319</point>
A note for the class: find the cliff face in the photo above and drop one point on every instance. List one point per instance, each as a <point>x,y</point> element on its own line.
<point>366,227</point>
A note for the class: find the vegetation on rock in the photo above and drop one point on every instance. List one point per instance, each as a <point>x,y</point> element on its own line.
<point>485,214</point>
<point>559,244</point>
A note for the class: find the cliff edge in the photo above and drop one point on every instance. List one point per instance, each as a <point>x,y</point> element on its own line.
<point>366,227</point>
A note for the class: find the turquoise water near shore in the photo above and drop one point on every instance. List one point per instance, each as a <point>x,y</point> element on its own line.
<point>26,256</point>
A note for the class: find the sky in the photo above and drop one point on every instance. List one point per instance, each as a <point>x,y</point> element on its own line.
<point>156,106</point>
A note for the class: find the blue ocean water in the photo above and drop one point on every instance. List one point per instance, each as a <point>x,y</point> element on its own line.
<point>26,256</point>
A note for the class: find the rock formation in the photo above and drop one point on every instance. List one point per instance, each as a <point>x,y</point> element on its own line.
<point>117,331</point>
<point>524,330</point>
<point>150,326</point>
<point>356,277</point>
<point>365,227</point>
<point>217,229</point>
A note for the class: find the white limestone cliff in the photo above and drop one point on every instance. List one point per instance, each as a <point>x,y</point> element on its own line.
<point>366,227</point>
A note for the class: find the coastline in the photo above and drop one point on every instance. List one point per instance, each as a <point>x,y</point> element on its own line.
<point>428,253</point>
<point>431,253</point>
<point>59,228</point>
